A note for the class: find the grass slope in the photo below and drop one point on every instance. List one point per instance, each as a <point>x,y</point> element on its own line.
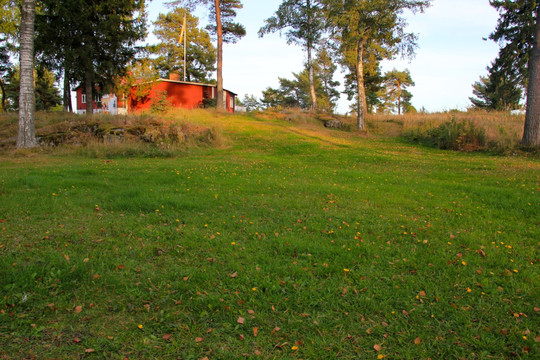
<point>291,241</point>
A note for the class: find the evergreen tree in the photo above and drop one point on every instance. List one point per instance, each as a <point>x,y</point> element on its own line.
<point>496,93</point>
<point>46,93</point>
<point>9,24</point>
<point>223,12</point>
<point>363,26</point>
<point>325,69</point>
<point>95,48</point>
<point>303,21</point>
<point>518,33</point>
<point>251,103</point>
<point>201,54</point>
<point>396,83</point>
<point>4,67</point>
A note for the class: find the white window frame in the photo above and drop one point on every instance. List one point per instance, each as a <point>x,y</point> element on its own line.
<point>83,98</point>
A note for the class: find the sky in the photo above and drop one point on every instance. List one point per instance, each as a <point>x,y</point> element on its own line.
<point>451,52</point>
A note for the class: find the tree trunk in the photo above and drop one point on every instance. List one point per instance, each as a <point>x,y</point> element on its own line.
<point>311,79</point>
<point>89,89</point>
<point>3,88</point>
<point>399,102</point>
<point>67,92</point>
<point>220,103</point>
<point>362,103</point>
<point>27,101</point>
<point>310,62</point>
<point>531,134</point>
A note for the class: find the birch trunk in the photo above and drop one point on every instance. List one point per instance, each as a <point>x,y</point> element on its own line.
<point>27,102</point>
<point>531,133</point>
<point>220,104</point>
<point>362,103</point>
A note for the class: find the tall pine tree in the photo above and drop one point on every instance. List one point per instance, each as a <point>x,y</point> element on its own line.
<point>518,33</point>
<point>227,31</point>
<point>201,54</point>
<point>303,20</point>
<point>361,26</point>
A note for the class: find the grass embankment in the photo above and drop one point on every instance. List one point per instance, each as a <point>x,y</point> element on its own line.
<point>289,241</point>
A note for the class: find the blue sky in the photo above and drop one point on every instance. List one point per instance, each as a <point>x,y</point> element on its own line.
<point>451,55</point>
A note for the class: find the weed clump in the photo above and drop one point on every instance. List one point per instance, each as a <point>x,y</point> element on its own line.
<point>462,135</point>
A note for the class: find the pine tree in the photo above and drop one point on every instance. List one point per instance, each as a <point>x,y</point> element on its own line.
<point>201,54</point>
<point>518,33</point>
<point>361,26</point>
<point>396,83</point>
<point>303,21</point>
<point>223,13</point>
<point>494,92</point>
<point>325,69</point>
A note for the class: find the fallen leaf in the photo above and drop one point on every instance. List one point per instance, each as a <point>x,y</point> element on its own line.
<point>258,353</point>
<point>234,274</point>
<point>240,320</point>
<point>481,252</point>
<point>417,341</point>
<point>251,312</point>
<point>89,351</point>
<point>255,331</point>
<point>422,293</point>
<point>276,329</point>
<point>78,309</point>
<point>185,278</point>
<point>198,339</point>
<point>167,336</point>
<point>96,276</point>
<point>241,336</point>
<point>66,257</point>
<point>377,347</point>
<point>76,340</point>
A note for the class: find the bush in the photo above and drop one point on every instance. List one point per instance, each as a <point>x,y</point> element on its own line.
<point>461,135</point>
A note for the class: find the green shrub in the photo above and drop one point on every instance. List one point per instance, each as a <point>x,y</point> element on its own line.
<point>461,135</point>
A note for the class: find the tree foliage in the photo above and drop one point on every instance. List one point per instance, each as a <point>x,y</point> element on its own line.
<point>498,93</point>
<point>515,33</point>
<point>518,33</point>
<point>201,54</point>
<point>376,27</point>
<point>46,93</point>
<point>94,48</point>
<point>396,95</point>
<point>303,23</point>
<point>223,12</point>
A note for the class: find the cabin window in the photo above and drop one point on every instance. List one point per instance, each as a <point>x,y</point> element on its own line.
<point>84,98</point>
<point>232,102</point>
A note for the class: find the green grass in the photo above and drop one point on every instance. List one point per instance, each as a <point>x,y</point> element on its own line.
<point>326,243</point>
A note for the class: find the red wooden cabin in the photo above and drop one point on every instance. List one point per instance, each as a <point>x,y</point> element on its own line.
<point>179,94</point>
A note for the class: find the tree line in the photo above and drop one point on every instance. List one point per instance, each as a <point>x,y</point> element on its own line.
<point>94,43</point>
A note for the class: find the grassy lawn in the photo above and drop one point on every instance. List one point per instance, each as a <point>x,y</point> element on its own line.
<point>288,242</point>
